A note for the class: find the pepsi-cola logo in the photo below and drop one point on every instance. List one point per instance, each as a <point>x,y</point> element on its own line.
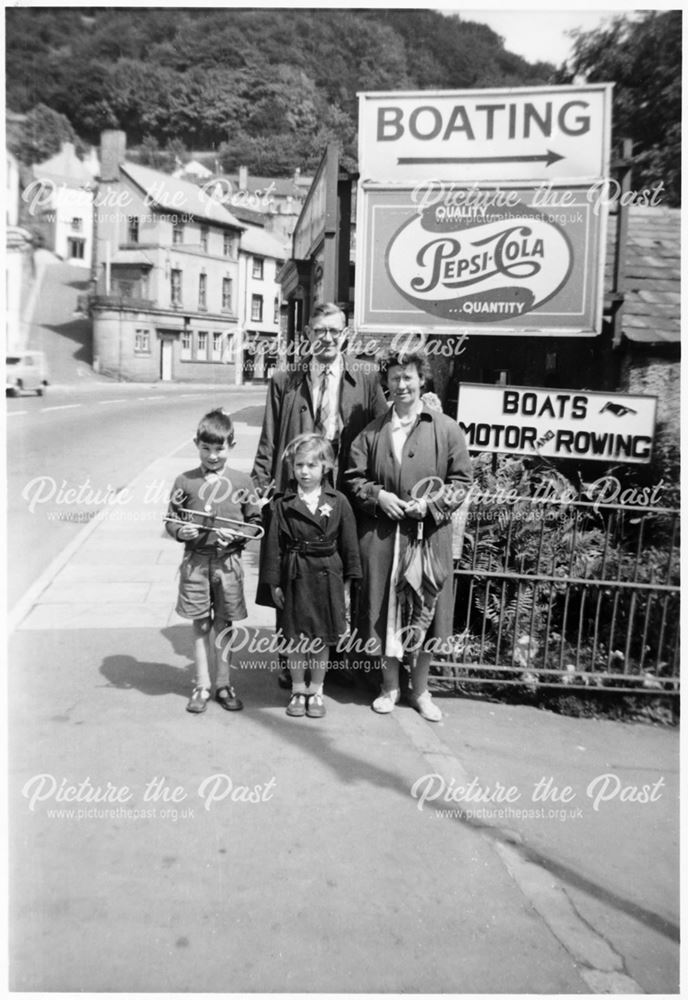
<point>476,267</point>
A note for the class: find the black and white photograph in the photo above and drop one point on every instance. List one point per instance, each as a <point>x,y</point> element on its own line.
<point>342,499</point>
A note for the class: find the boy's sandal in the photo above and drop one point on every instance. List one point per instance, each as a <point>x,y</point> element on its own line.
<point>198,702</point>
<point>226,697</point>
<point>315,707</point>
<point>297,705</point>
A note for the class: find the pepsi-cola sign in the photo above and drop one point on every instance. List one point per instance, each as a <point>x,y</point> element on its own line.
<point>474,211</point>
<point>479,268</point>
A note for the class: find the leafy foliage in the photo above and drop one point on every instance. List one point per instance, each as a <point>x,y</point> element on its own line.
<point>541,592</point>
<point>642,57</point>
<point>41,135</point>
<point>265,87</point>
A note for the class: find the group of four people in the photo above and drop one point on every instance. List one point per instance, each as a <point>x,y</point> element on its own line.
<point>354,480</point>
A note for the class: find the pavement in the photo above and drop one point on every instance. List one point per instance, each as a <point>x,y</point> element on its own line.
<point>503,850</point>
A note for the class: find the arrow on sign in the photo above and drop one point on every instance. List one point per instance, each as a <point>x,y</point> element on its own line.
<point>549,158</point>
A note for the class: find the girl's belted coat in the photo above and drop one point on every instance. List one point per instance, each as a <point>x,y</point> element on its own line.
<point>434,456</point>
<point>310,556</point>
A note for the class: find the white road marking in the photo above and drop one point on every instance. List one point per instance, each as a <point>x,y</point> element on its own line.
<point>16,413</point>
<point>109,402</point>
<point>66,406</point>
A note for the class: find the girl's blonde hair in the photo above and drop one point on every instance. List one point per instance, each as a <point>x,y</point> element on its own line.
<point>309,444</point>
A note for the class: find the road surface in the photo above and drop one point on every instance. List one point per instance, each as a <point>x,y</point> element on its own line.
<point>70,450</point>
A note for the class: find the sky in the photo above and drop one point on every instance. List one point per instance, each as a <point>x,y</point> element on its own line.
<point>538,33</point>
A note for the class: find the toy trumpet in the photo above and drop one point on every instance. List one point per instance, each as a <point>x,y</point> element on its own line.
<point>241,528</point>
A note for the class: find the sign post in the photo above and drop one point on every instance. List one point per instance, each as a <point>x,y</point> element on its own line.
<point>558,423</point>
<point>483,210</point>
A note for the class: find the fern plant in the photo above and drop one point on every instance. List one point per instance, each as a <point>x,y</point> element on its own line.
<point>540,579</point>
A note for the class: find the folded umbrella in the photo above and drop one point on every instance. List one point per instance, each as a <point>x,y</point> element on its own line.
<point>420,578</point>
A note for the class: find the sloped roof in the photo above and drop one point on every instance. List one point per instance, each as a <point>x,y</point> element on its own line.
<point>257,241</point>
<point>193,169</point>
<point>282,187</point>
<point>176,195</point>
<point>64,166</point>
<point>249,215</point>
<point>652,281</point>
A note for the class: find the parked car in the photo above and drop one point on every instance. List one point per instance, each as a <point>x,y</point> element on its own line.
<point>26,371</point>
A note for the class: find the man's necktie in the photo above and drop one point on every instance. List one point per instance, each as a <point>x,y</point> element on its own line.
<point>322,410</point>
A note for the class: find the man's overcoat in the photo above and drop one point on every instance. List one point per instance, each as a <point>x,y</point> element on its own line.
<point>289,411</point>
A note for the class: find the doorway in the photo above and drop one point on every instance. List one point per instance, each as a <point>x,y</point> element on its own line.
<point>166,352</point>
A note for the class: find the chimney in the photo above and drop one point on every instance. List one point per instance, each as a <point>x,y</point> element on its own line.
<point>243,178</point>
<point>113,149</point>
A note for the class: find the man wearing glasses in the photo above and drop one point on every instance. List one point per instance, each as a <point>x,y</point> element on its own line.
<point>331,396</point>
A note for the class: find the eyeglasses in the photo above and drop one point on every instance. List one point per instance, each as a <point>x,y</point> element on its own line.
<point>322,331</point>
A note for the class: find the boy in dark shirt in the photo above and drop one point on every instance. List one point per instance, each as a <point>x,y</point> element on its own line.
<point>211,591</point>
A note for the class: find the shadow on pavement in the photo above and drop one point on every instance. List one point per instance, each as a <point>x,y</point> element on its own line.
<point>126,672</point>
<point>313,738</point>
<point>79,331</point>
<point>251,415</point>
<point>310,736</point>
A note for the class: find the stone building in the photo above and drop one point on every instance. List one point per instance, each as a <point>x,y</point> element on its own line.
<point>166,299</point>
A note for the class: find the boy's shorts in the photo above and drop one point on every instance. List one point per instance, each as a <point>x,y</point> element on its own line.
<point>211,581</point>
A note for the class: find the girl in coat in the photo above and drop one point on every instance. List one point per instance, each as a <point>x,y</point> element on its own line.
<point>311,556</point>
<point>408,466</point>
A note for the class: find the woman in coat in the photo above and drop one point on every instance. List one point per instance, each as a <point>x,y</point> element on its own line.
<point>409,465</point>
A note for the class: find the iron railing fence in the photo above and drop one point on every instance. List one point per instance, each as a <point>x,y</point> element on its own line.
<point>574,595</point>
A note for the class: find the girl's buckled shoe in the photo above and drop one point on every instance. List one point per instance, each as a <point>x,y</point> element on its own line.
<point>297,705</point>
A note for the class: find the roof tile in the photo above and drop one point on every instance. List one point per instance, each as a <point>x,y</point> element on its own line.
<point>652,307</point>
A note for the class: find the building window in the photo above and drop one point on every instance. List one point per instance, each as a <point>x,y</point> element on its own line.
<point>178,232</point>
<point>257,269</point>
<point>202,346</point>
<point>186,345</point>
<point>77,224</point>
<point>203,291</point>
<point>276,317</point>
<point>257,308</point>
<point>228,245</point>
<point>133,229</point>
<point>217,346</point>
<point>227,294</point>
<point>142,342</point>
<point>204,238</point>
<point>75,248</point>
<point>176,287</point>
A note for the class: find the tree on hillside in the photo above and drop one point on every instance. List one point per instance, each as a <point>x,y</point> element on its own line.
<point>167,159</point>
<point>41,135</point>
<point>272,86</point>
<point>642,57</point>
